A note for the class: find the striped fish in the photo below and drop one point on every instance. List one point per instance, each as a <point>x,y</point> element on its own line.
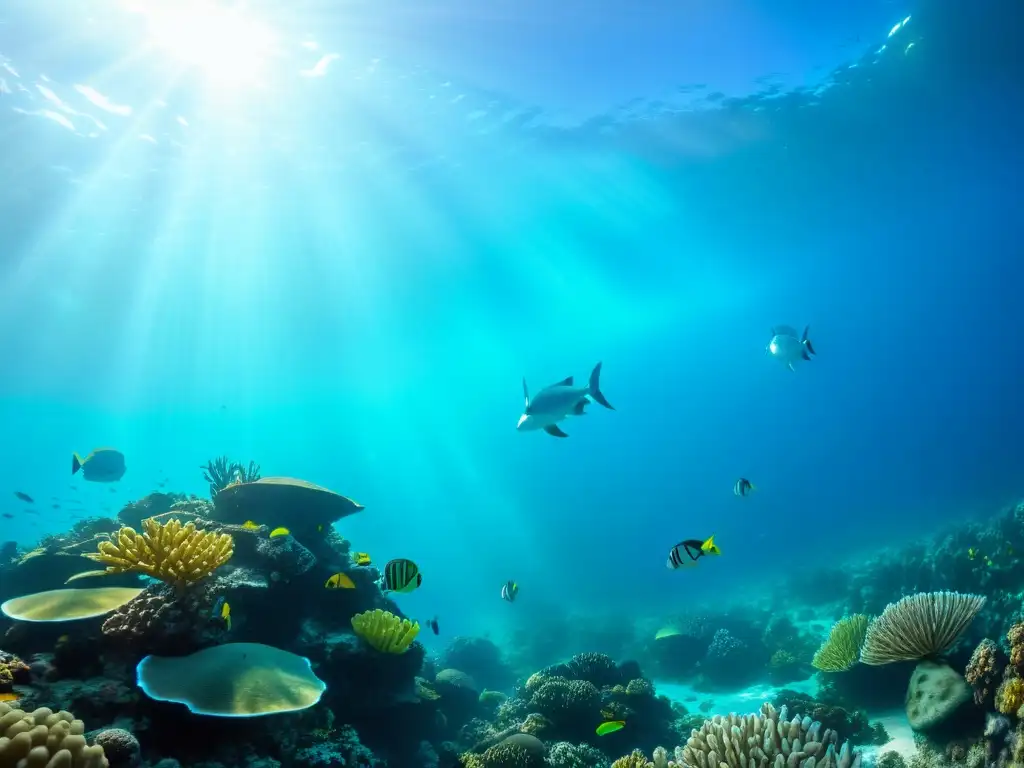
<point>509,590</point>
<point>685,554</point>
<point>400,576</point>
<point>743,487</point>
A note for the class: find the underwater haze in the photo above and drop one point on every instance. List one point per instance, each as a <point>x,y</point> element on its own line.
<point>333,238</point>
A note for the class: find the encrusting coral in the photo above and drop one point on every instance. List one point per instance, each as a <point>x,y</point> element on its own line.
<point>174,553</point>
<point>982,670</point>
<point>919,626</point>
<point>385,632</point>
<point>44,739</point>
<point>841,649</point>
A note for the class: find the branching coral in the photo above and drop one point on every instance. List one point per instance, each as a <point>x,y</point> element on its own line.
<point>385,632</point>
<point>841,649</point>
<point>222,472</point>
<point>174,553</point>
<point>559,698</point>
<point>45,738</point>
<point>919,626</point>
<point>636,759</point>
<point>1015,639</point>
<point>768,739</point>
<point>596,668</point>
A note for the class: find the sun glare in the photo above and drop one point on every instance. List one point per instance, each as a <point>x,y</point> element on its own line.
<point>228,47</point>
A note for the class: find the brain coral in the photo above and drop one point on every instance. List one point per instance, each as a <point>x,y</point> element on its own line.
<point>45,739</point>
<point>767,739</point>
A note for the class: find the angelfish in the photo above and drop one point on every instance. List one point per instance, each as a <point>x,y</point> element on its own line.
<point>555,402</point>
<point>788,348</point>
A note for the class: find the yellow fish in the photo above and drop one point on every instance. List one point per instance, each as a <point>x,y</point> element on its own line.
<point>340,581</point>
<point>279,532</point>
<point>8,697</point>
<point>971,553</point>
<point>610,727</point>
<point>362,558</point>
<point>222,610</point>
<point>249,525</point>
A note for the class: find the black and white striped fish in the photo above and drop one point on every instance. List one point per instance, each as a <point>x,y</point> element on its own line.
<point>685,554</point>
<point>400,576</point>
<point>743,487</point>
<point>509,590</point>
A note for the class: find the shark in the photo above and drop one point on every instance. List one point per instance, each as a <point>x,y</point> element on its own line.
<point>558,401</point>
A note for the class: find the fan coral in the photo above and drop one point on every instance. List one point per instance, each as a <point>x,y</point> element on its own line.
<point>174,553</point>
<point>919,626</point>
<point>768,739</point>
<point>982,670</point>
<point>1010,696</point>
<point>385,632</point>
<point>842,648</point>
<point>45,738</point>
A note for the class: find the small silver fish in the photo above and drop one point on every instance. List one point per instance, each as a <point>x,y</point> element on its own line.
<point>789,348</point>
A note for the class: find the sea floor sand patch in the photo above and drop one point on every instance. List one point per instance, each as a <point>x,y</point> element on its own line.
<point>899,730</point>
<point>741,702</point>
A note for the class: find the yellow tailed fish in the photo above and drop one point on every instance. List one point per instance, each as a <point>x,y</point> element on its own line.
<point>610,727</point>
<point>340,581</point>
<point>282,531</point>
<point>362,558</point>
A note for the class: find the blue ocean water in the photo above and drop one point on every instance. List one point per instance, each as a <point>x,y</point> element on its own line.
<point>333,239</point>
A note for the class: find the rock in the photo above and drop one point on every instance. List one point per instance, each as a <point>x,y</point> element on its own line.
<point>120,747</point>
<point>283,501</point>
<point>935,692</point>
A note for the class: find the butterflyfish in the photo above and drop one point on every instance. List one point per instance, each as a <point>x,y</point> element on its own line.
<point>509,590</point>
<point>743,487</point>
<point>400,575</point>
<point>685,554</point>
<point>340,581</point>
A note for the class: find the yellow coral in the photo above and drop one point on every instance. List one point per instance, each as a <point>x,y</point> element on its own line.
<point>174,553</point>
<point>842,648</point>
<point>384,631</point>
<point>636,759</point>
<point>1010,696</point>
